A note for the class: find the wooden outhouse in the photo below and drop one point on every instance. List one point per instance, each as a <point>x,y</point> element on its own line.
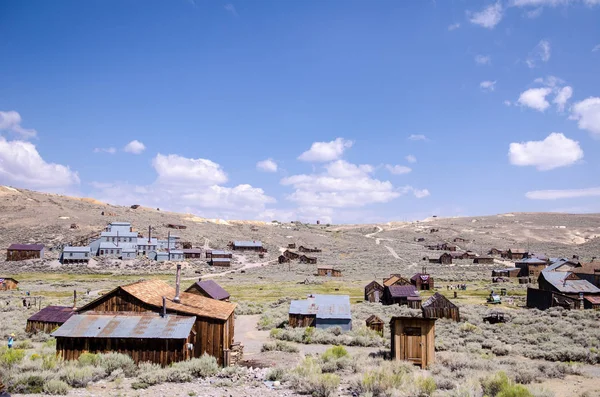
<point>413,340</point>
<point>49,318</point>
<point>438,306</point>
<point>375,323</point>
<point>328,271</point>
<point>21,252</point>
<point>8,283</point>
<point>373,292</point>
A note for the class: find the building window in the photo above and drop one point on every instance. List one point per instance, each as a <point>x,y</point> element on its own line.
<point>70,254</point>
<point>101,252</point>
<point>112,251</point>
<point>85,255</point>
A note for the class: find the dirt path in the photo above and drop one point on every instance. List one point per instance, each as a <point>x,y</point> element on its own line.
<point>246,332</point>
<point>245,265</point>
<point>378,240</point>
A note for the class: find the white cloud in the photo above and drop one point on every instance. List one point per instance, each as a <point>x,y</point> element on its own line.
<point>535,98</point>
<point>267,165</point>
<point>454,26</point>
<point>536,12</point>
<point>411,159</point>
<point>11,121</point>
<point>596,48</point>
<point>563,97</point>
<point>487,86</point>
<point>563,194</point>
<point>549,81</point>
<point>21,165</point>
<point>417,137</point>
<point>507,103</point>
<point>587,113</point>
<point>542,51</point>
<point>553,152</point>
<point>538,3</point>
<point>109,150</point>
<point>398,169</point>
<point>135,147</point>
<point>326,151</point>
<point>418,193</point>
<point>489,17</point>
<point>483,59</point>
<point>174,169</point>
<point>231,9</point>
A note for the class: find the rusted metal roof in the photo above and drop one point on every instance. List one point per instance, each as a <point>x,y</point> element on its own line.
<point>145,326</point>
<point>594,300</point>
<point>323,306</point>
<point>438,300</point>
<point>2,279</point>
<point>561,282</point>
<point>53,314</point>
<point>399,291</point>
<point>26,247</point>
<point>211,288</point>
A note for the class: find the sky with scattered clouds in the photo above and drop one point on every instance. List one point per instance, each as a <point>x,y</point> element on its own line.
<point>345,112</point>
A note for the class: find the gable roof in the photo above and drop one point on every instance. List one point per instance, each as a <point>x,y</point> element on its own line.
<point>77,249</point>
<point>26,247</point>
<point>211,288</point>
<point>8,278</point>
<point>373,284</point>
<point>138,326</point>
<point>404,291</point>
<point>394,279</point>
<point>53,314</point>
<point>152,291</point>
<point>373,319</point>
<point>323,306</point>
<point>565,284</point>
<point>517,251</point>
<point>592,267</point>
<point>422,276</point>
<point>438,300</point>
<point>560,263</point>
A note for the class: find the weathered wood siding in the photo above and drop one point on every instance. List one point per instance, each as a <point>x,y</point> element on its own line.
<point>300,320</point>
<point>413,339</point>
<point>8,285</point>
<point>21,255</point>
<point>329,272</point>
<point>442,312</point>
<point>41,326</point>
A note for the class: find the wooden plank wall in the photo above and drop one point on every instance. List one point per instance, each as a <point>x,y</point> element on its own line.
<point>442,312</point>
<point>18,255</point>
<point>41,326</point>
<point>8,285</point>
<point>300,320</point>
<point>427,340</point>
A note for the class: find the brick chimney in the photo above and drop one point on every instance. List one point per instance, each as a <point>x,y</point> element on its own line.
<point>176,299</point>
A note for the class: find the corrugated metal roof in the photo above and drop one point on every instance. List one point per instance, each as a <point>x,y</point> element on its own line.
<point>220,252</point>
<point>211,288</point>
<point>192,251</point>
<point>400,291</point>
<point>176,252</point>
<point>145,326</point>
<point>247,243</point>
<point>438,300</point>
<point>557,279</point>
<point>559,263</point>
<point>220,259</point>
<point>119,234</point>
<point>120,223</point>
<point>594,300</point>
<point>324,306</point>
<point>26,247</point>
<point>533,261</point>
<point>108,245</point>
<point>53,314</point>
<point>2,279</point>
<point>76,249</point>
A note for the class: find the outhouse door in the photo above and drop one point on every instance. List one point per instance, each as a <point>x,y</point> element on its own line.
<point>376,295</point>
<point>328,273</point>
<point>413,344</point>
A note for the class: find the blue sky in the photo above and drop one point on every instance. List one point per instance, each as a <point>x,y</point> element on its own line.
<point>368,111</point>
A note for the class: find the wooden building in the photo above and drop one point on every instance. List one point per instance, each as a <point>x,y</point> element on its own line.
<point>459,255</point>
<point>375,323</point>
<point>214,322</point>
<point>192,253</point>
<point>591,302</point>
<point>292,246</point>
<point>8,283</point>
<point>246,246</point>
<point>422,281</point>
<point>291,254</point>
<point>48,319</point>
<point>307,259</point>
<point>531,267</point>
<point>509,272</point>
<point>444,259</point>
<point>413,340</point>
<point>542,300</point>
<point>484,260</point>
<point>567,283</point>
<point>470,255</point>
<point>21,252</point>
<point>516,253</point>
<point>497,252</point>
<point>176,226</point>
<point>221,262</point>
<point>328,271</point>
<point>402,295</point>
<point>373,292</point>
<point>589,271</point>
<point>321,311</point>
<point>145,337</point>
<point>218,254</point>
<point>438,306</point>
<point>283,259</point>
<point>306,249</point>
<point>395,279</point>
<point>209,289</point>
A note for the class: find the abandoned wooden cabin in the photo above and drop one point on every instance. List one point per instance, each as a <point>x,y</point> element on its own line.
<point>145,337</point>
<point>496,252</point>
<point>306,249</point>
<point>562,265</point>
<point>218,254</point>
<point>8,283</point>
<point>375,323</point>
<point>321,311</point>
<point>21,252</point>
<point>531,267</point>
<point>438,306</point>
<point>516,253</point>
<point>422,281</point>
<point>175,226</point>
<point>444,259</point>
<point>413,340</point>
<point>246,245</point>
<point>214,322</point>
<point>542,300</point>
<point>209,289</point>
<point>307,259</point>
<point>402,295</point>
<point>459,255</point>
<point>460,240</point>
<point>509,272</point>
<point>291,254</point>
<point>591,302</point>
<point>395,279</point>
<point>419,239</point>
<point>373,292</point>
<point>283,259</point>
<point>448,247</point>
<point>48,319</point>
<point>470,255</point>
<point>328,271</point>
<point>567,283</point>
<point>589,271</point>
<point>192,253</point>
<point>292,246</point>
<point>484,260</point>
<point>221,262</point>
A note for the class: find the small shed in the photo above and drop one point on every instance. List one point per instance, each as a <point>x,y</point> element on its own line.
<point>49,318</point>
<point>413,340</point>
<point>444,259</point>
<point>373,292</point>
<point>8,283</point>
<point>422,281</point>
<point>438,306</point>
<point>591,302</point>
<point>402,295</point>
<point>484,260</point>
<point>192,253</point>
<point>144,337</point>
<point>328,271</point>
<point>283,259</point>
<point>307,259</point>
<point>21,252</point>
<point>321,311</point>
<point>375,323</point>
<point>222,262</point>
<point>209,289</point>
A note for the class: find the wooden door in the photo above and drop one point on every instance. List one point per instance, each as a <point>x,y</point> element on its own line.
<point>413,344</point>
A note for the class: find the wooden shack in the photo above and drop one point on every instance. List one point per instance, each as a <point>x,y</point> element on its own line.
<point>373,292</point>
<point>448,247</point>
<point>328,271</point>
<point>214,322</point>
<point>413,340</point>
<point>221,262</point>
<point>321,311</point>
<point>21,252</point>
<point>422,281</point>
<point>444,259</point>
<point>307,259</point>
<point>402,295</point>
<point>218,254</point>
<point>306,249</point>
<point>542,300</point>
<point>484,260</point>
<point>438,306</point>
<point>516,253</point>
<point>209,289</point>
<point>395,279</point>
<point>175,226</point>
<point>48,319</point>
<point>283,259</point>
<point>291,254</point>
<point>292,246</point>
<point>8,283</point>
<point>192,253</point>
<point>145,337</point>
<point>509,272</point>
<point>531,267</point>
<point>246,245</point>
<point>375,323</point>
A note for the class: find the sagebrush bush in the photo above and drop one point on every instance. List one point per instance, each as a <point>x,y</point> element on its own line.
<point>56,387</point>
<point>78,377</point>
<point>276,373</point>
<point>113,361</point>
<point>86,359</point>
<point>279,346</point>
<point>11,357</point>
